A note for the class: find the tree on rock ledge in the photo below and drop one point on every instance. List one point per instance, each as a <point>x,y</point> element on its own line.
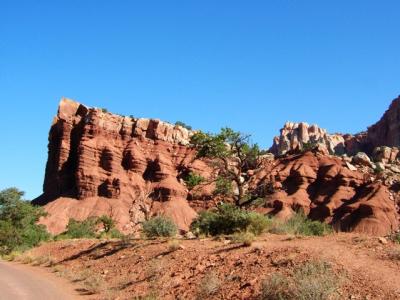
<point>233,154</point>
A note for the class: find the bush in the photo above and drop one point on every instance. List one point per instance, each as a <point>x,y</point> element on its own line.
<point>107,222</point>
<point>113,233</point>
<point>223,187</point>
<point>193,180</point>
<point>89,228</point>
<point>174,245</point>
<point>18,223</point>
<point>160,226</point>
<point>299,224</point>
<point>209,286</point>
<point>277,287</point>
<point>245,238</point>
<point>258,223</point>
<point>228,219</point>
<point>182,124</point>
<point>313,280</point>
<point>80,229</point>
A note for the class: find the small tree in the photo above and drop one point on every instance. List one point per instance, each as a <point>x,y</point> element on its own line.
<point>193,180</point>
<point>232,152</point>
<point>107,222</point>
<point>18,222</point>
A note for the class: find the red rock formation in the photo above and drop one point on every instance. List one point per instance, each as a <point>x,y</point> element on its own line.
<point>386,132</point>
<point>100,163</point>
<point>295,136</point>
<point>326,190</point>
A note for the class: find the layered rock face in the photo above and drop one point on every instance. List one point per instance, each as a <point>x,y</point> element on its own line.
<point>100,163</point>
<point>325,189</point>
<point>295,137</point>
<point>105,164</point>
<point>386,132</point>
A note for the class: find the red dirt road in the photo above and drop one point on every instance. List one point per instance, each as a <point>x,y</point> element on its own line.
<point>21,282</point>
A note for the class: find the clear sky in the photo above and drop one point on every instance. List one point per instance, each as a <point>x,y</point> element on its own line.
<point>250,65</point>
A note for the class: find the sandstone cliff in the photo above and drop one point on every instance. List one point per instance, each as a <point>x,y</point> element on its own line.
<point>296,136</point>
<point>101,163</point>
<point>386,132</point>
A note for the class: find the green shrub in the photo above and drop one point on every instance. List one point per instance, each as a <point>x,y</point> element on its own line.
<point>223,187</point>
<point>258,223</point>
<point>113,233</point>
<point>193,180</point>
<point>228,219</point>
<point>299,224</point>
<point>18,223</point>
<point>107,223</point>
<point>160,226</point>
<point>182,124</point>
<point>80,229</point>
<point>90,228</point>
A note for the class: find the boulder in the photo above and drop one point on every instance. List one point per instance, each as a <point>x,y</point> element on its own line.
<point>362,159</point>
<point>385,154</point>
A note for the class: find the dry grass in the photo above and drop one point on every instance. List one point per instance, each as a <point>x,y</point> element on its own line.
<point>13,256</point>
<point>394,254</point>
<point>245,238</point>
<point>174,245</point>
<point>313,280</point>
<point>94,284</point>
<point>276,287</point>
<point>154,268</point>
<point>209,286</point>
<point>26,259</point>
<point>44,260</point>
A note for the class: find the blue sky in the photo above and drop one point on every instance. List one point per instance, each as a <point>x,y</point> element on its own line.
<point>250,65</point>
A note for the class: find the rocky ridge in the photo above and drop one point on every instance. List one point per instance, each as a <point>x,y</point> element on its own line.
<point>102,163</point>
<point>298,136</point>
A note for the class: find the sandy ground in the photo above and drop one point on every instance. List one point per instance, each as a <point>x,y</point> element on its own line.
<point>22,282</point>
<point>142,268</point>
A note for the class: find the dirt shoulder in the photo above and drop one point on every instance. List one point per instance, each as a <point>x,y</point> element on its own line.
<point>18,281</point>
<point>365,267</point>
